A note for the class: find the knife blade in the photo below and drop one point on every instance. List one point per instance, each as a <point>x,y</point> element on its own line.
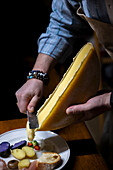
<point>33,120</point>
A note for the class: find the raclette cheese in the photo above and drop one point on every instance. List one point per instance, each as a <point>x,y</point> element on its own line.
<point>79,83</point>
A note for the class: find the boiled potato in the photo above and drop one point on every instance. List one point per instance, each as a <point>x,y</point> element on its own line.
<point>18,153</point>
<point>29,151</point>
<point>25,163</point>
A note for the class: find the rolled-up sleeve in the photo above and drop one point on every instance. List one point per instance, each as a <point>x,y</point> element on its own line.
<point>64,27</point>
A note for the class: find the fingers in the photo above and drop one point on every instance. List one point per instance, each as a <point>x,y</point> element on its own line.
<point>82,110</point>
<point>32,104</point>
<point>28,103</point>
<point>76,109</point>
<point>92,108</point>
<point>29,95</point>
<point>23,101</point>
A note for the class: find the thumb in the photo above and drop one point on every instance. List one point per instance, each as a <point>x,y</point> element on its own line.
<point>76,109</point>
<point>32,104</point>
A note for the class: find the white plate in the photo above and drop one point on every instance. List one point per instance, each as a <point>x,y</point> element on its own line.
<point>54,141</point>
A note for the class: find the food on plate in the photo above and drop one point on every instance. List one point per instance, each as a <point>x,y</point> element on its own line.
<point>2,165</point>
<point>37,148</point>
<point>30,144</point>
<point>29,151</point>
<point>26,151</point>
<point>30,132</point>
<point>19,145</point>
<point>48,161</point>
<point>25,163</point>
<point>34,144</point>
<point>13,164</point>
<point>33,166</point>
<point>5,149</point>
<point>18,153</point>
<point>79,83</point>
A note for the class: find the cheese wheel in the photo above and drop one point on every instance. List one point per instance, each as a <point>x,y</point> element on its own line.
<point>79,83</point>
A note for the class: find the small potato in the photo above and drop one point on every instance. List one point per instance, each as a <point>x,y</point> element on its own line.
<point>18,153</point>
<point>29,151</point>
<point>25,163</point>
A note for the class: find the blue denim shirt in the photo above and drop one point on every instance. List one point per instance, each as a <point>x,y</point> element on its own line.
<point>66,27</point>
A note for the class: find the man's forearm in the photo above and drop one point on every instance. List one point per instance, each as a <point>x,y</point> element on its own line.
<point>44,63</point>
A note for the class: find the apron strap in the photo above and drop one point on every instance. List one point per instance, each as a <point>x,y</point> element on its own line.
<point>103,31</point>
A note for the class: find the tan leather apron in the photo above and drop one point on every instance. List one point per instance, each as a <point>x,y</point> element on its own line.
<point>104,34</point>
<point>103,31</point>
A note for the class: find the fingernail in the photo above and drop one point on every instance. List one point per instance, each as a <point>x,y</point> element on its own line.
<point>31,109</point>
<point>69,111</point>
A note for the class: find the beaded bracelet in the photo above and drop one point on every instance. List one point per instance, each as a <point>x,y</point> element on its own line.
<point>111,99</point>
<point>38,75</point>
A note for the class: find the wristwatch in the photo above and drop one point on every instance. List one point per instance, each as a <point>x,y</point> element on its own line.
<point>111,99</point>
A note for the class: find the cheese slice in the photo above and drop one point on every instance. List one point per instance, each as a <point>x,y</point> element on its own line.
<point>79,83</point>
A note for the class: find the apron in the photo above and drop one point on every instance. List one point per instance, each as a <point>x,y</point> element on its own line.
<point>104,33</point>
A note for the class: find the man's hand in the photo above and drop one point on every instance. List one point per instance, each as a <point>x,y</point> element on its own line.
<point>31,92</point>
<point>29,95</point>
<point>92,108</point>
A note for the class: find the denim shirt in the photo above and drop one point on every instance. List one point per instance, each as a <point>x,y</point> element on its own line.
<point>65,27</point>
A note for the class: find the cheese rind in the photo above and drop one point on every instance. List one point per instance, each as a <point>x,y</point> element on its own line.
<point>79,83</point>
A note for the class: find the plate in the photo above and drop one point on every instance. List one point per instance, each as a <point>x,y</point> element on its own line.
<point>51,141</point>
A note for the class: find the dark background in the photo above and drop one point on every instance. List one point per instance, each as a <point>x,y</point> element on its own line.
<point>21,25</point>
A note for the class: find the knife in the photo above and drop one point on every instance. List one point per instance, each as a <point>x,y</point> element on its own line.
<point>33,120</point>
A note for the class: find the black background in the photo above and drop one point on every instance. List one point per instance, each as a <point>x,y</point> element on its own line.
<point>21,25</point>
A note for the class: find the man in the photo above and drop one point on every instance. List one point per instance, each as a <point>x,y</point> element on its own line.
<point>57,44</point>
<point>68,24</point>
